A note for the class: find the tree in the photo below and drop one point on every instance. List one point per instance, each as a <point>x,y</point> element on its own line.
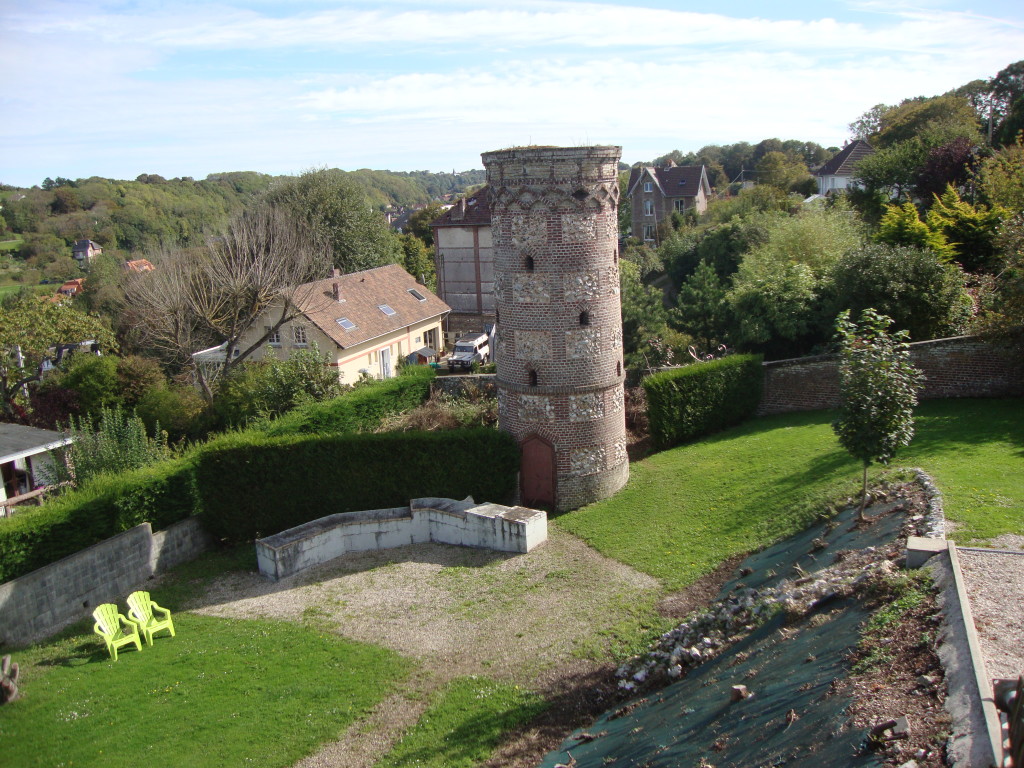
<point>420,221</point>
<point>877,392</point>
<point>30,329</point>
<point>701,307</point>
<point>1000,178</point>
<point>949,164</point>
<point>969,229</point>
<point>784,171</point>
<point>418,260</point>
<point>901,225</point>
<point>923,294</point>
<point>336,211</point>
<point>198,298</point>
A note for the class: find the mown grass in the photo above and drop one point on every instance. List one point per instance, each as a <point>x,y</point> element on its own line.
<point>463,723</point>
<point>222,692</point>
<point>687,509</point>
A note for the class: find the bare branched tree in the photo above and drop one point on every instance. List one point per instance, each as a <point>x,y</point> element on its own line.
<point>195,299</point>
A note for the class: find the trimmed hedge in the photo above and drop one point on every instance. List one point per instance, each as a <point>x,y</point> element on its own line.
<point>686,403</point>
<point>252,484</point>
<point>360,410</point>
<point>161,493</point>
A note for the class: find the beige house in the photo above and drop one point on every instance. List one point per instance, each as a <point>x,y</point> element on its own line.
<point>365,322</point>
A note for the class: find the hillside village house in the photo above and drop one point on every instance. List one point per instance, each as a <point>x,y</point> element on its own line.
<point>464,261</point>
<point>656,192</point>
<point>837,173</point>
<point>365,322</point>
<point>85,250</point>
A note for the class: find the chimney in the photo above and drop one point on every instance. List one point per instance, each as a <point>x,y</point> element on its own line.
<point>336,287</point>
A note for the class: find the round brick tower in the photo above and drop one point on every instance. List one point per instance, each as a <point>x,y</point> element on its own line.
<point>560,377</point>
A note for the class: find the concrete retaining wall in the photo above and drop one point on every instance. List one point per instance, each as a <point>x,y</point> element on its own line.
<point>465,523</point>
<point>46,600</point>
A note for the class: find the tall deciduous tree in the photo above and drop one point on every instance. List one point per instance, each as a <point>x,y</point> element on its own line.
<point>30,327</point>
<point>216,294</point>
<point>336,210</point>
<point>878,391</point>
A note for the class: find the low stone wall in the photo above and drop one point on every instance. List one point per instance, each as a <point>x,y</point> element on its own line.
<point>46,600</point>
<point>962,366</point>
<point>465,523</point>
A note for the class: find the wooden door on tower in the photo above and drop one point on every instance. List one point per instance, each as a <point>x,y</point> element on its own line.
<point>537,473</point>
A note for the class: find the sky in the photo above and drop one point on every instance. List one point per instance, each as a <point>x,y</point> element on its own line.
<point>117,88</point>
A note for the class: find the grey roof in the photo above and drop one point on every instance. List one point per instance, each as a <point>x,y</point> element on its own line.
<point>843,161</point>
<point>673,181</point>
<point>18,441</point>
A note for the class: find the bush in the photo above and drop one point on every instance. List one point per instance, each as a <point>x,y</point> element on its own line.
<point>360,409</point>
<point>177,410</point>
<point>160,493</point>
<point>252,485</point>
<point>687,403</point>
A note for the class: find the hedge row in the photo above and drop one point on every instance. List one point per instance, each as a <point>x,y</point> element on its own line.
<point>162,494</point>
<point>249,484</point>
<point>360,410</point>
<point>253,485</point>
<point>686,403</point>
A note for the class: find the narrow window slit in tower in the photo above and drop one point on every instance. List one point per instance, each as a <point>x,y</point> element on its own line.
<point>584,318</point>
<point>529,263</point>
<point>533,378</point>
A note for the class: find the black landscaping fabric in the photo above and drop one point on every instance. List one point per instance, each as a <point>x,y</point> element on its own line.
<point>795,715</point>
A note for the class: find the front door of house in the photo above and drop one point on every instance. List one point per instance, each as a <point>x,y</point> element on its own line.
<point>385,363</point>
<point>537,473</point>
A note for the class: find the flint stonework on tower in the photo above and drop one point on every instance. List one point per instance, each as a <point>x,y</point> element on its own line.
<point>554,222</point>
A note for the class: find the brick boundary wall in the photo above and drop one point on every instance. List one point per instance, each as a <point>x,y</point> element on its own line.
<point>961,366</point>
<point>50,598</point>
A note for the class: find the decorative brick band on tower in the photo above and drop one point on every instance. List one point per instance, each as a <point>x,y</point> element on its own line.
<point>560,379</point>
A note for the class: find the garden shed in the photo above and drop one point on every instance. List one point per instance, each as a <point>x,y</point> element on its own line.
<point>24,460</point>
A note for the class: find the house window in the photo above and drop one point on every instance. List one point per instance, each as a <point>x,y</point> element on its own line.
<point>680,205</point>
<point>648,186</point>
<point>417,295</point>
<point>386,309</point>
<point>345,323</point>
<point>274,337</point>
<point>648,207</point>
<point>299,335</point>
<point>648,231</point>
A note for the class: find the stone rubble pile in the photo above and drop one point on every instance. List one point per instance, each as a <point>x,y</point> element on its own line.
<point>704,636</point>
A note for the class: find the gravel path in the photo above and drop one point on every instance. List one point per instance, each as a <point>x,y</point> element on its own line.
<point>533,619</point>
<point>995,587</point>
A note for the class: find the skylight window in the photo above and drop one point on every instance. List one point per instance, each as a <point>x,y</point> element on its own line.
<point>419,296</point>
<point>386,309</point>
<point>345,323</point>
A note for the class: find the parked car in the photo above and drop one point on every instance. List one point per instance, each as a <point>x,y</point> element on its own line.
<point>469,350</point>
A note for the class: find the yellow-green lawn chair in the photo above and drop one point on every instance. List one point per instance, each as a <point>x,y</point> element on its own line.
<point>115,629</point>
<point>142,610</point>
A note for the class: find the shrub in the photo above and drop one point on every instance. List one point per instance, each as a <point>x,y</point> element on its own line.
<point>251,484</point>
<point>160,493</point>
<point>686,403</point>
<point>176,409</point>
<point>117,444</point>
<point>359,409</point>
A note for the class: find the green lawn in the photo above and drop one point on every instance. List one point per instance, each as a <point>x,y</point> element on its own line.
<point>11,244</point>
<point>463,724</point>
<point>222,692</point>
<point>686,509</point>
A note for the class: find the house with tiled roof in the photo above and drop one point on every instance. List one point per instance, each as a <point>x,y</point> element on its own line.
<point>838,173</point>
<point>139,265</point>
<point>464,262</point>
<point>71,288</point>
<point>85,250</point>
<point>365,322</point>
<point>655,192</point>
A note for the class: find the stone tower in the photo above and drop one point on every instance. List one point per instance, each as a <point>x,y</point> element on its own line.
<point>560,376</point>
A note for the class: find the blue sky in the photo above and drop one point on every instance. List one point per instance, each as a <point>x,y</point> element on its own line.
<point>116,88</point>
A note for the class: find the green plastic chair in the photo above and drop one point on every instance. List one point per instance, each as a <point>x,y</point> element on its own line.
<point>142,610</point>
<point>115,629</point>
